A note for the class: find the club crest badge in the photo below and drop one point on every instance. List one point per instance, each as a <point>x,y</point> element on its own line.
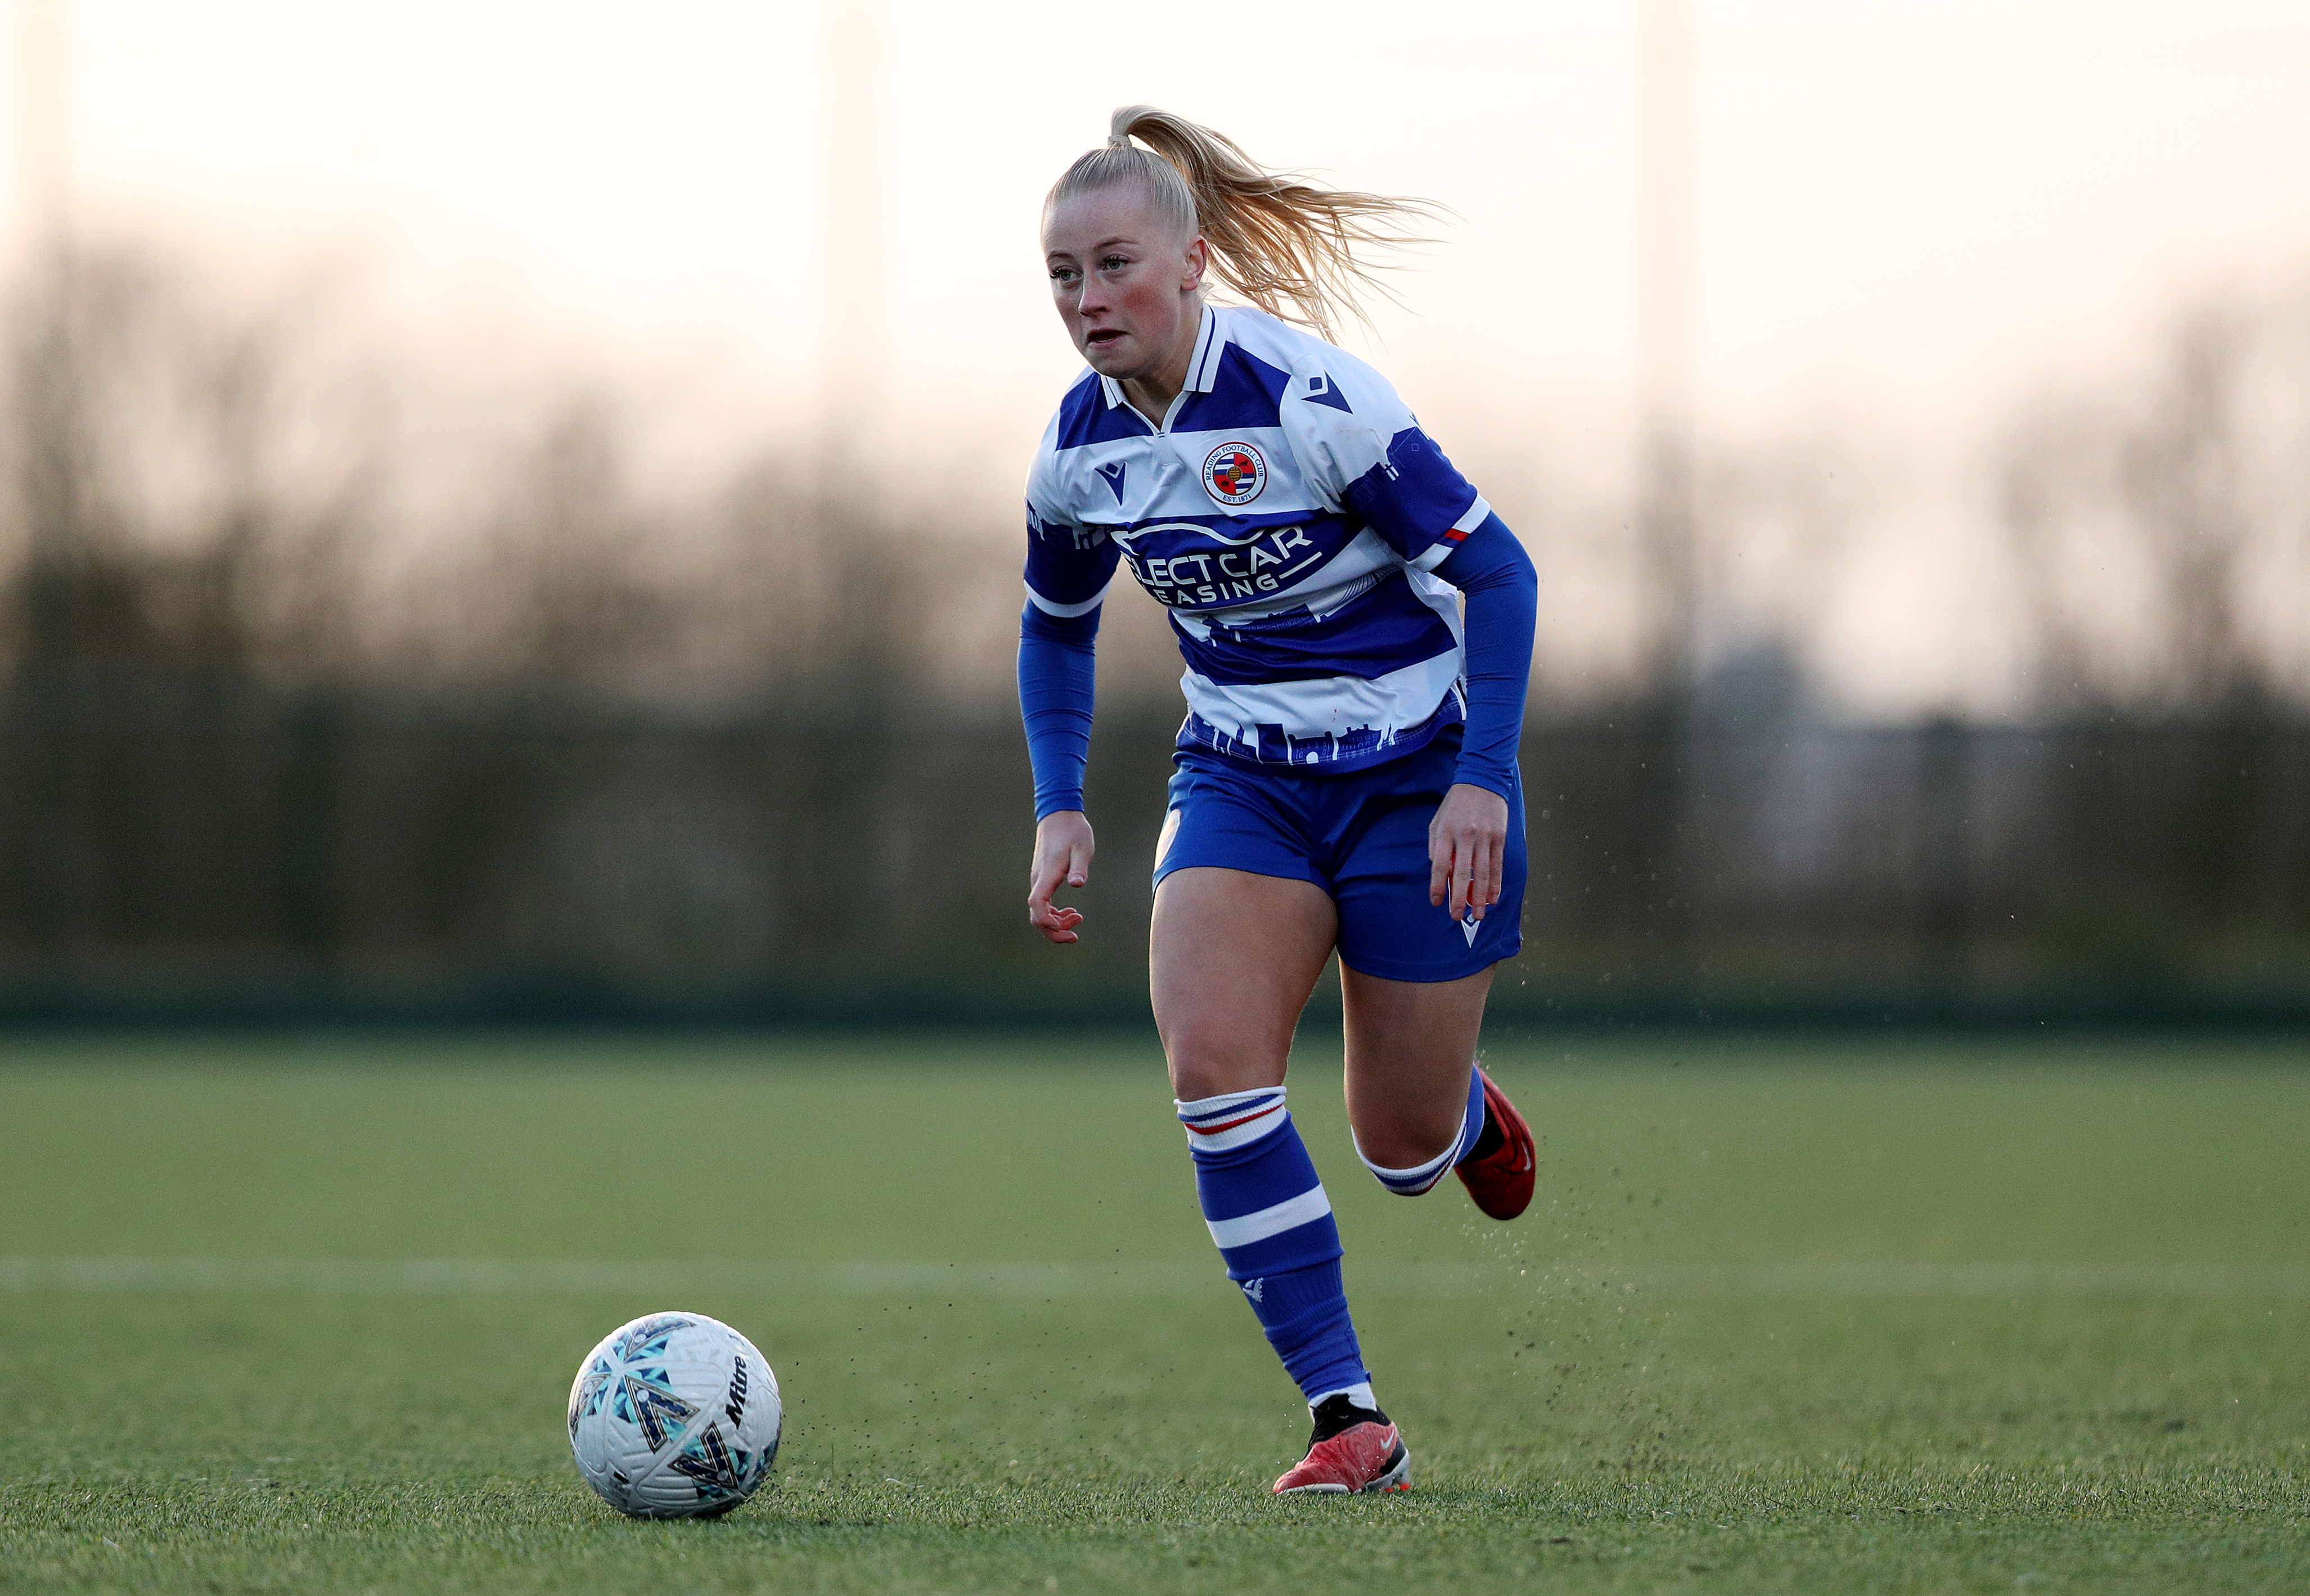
<point>1234,473</point>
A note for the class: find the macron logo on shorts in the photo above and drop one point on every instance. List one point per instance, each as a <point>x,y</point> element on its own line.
<point>1470,925</point>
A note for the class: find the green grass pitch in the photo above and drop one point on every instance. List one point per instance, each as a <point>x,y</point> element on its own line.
<point>1895,1317</point>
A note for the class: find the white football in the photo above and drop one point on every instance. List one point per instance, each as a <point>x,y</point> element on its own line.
<point>674,1415</point>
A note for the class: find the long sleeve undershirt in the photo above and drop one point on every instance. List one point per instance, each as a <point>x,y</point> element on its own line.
<point>1496,577</point>
<point>1058,672</point>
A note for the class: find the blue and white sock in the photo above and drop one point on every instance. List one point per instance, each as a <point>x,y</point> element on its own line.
<point>1421,1177</point>
<point>1273,1221</point>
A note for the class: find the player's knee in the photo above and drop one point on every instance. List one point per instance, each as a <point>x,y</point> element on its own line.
<point>1205,1064</point>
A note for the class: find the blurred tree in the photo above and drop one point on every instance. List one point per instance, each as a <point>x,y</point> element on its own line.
<point>2144,524</point>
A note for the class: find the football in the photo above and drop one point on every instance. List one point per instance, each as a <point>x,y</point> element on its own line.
<point>674,1415</point>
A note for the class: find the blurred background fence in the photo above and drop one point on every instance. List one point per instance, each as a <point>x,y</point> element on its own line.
<point>292,732</point>
<point>174,847</point>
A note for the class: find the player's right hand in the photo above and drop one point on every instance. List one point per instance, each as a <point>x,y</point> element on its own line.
<point>1063,852</point>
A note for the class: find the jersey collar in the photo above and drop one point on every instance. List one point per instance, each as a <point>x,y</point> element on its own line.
<point>1202,367</point>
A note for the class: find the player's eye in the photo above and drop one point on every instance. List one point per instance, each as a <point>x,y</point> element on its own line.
<point>1062,273</point>
<point>1113,263</point>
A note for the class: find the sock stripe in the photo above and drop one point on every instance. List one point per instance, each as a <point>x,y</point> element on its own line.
<point>1229,1124</point>
<point>1287,1215</point>
<point>1212,1107</point>
<point>1252,1184</point>
<point>1420,1178</point>
<point>1231,1120</point>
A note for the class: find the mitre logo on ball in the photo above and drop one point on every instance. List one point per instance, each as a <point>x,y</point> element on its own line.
<point>1235,473</point>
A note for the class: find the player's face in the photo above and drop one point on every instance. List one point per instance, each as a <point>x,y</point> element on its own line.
<point>1124,281</point>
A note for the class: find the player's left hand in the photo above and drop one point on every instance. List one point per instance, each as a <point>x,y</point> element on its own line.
<point>1467,850</point>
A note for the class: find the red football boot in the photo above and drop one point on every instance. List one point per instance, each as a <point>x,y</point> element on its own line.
<point>1501,1180</point>
<point>1352,1450</point>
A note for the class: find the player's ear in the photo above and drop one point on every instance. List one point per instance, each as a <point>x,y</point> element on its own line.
<point>1199,257</point>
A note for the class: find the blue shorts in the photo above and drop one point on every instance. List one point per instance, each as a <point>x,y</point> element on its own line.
<point>1359,835</point>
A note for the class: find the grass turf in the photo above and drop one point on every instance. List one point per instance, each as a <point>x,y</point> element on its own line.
<point>1893,1318</point>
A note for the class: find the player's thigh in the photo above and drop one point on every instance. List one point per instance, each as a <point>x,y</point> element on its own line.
<point>1413,977</point>
<point>1231,959</point>
<point>1410,1046</point>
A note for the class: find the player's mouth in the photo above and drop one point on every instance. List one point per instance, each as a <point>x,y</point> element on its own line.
<point>1104,338</point>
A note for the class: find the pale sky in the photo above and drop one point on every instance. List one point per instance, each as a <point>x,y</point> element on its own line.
<point>1910,217</point>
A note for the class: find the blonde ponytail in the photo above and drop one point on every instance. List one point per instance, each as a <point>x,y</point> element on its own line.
<point>1285,245</point>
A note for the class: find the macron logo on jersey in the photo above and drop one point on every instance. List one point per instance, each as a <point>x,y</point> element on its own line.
<point>1112,474</point>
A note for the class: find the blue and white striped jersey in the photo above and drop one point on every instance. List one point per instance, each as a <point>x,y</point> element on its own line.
<point>1288,511</point>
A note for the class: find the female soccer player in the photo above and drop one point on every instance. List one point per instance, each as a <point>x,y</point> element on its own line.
<point>1347,771</point>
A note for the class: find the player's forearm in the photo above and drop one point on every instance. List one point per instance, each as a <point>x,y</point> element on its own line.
<point>1058,669</point>
<point>1496,575</point>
